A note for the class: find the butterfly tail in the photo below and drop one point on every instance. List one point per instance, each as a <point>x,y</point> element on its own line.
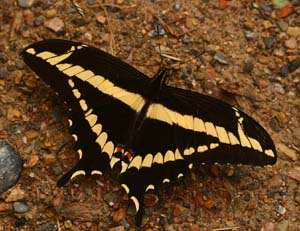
<point>139,215</point>
<point>138,200</point>
<point>66,177</point>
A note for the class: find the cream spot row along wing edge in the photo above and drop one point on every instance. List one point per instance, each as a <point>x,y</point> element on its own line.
<point>153,132</point>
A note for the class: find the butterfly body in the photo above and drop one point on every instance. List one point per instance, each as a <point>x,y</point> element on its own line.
<point>154,132</point>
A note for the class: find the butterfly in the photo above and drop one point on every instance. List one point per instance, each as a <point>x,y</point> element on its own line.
<point>153,132</point>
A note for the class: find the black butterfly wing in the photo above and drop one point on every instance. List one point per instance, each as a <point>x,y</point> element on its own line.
<point>182,128</point>
<point>99,119</point>
<point>230,135</point>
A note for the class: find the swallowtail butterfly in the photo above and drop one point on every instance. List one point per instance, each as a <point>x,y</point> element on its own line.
<point>154,132</point>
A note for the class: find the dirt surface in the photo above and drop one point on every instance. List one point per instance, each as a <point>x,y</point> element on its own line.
<point>237,53</point>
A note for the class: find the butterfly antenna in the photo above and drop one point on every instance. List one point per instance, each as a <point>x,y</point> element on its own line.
<point>157,29</point>
<point>78,9</point>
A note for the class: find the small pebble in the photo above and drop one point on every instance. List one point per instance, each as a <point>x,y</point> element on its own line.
<point>267,8</point>
<point>10,166</point>
<point>281,210</point>
<point>249,25</point>
<point>124,223</point>
<point>293,31</point>
<point>39,20</point>
<point>3,73</point>
<point>294,65</point>
<point>273,123</point>
<point>249,35</point>
<point>46,227</point>
<point>290,43</point>
<point>20,207</point>
<point>68,224</point>
<point>269,226</point>
<point>284,71</point>
<point>33,160</point>
<point>177,6</point>
<point>267,24</point>
<point>270,42</point>
<point>278,88</point>
<point>25,3</point>
<point>100,18</point>
<point>264,59</point>
<point>16,194</point>
<point>221,58</point>
<point>50,13</point>
<point>263,83</point>
<point>282,25</point>
<point>194,228</point>
<point>55,24</point>
<point>112,9</point>
<point>20,222</point>
<point>279,53</point>
<point>91,2</point>
<point>247,197</point>
<point>117,228</point>
<point>186,39</point>
<point>281,118</point>
<point>255,5</point>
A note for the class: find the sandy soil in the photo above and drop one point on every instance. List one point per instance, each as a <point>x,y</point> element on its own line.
<point>234,53</point>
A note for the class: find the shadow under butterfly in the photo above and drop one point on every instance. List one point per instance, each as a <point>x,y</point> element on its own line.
<point>155,133</point>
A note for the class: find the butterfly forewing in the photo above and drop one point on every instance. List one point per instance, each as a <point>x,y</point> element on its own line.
<point>154,132</point>
<point>97,120</point>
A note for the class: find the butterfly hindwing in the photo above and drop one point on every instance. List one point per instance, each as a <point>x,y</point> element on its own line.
<point>154,132</point>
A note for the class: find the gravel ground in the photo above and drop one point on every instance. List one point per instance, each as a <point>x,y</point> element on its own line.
<point>246,52</point>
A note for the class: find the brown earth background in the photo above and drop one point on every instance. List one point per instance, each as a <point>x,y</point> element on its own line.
<point>234,53</point>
